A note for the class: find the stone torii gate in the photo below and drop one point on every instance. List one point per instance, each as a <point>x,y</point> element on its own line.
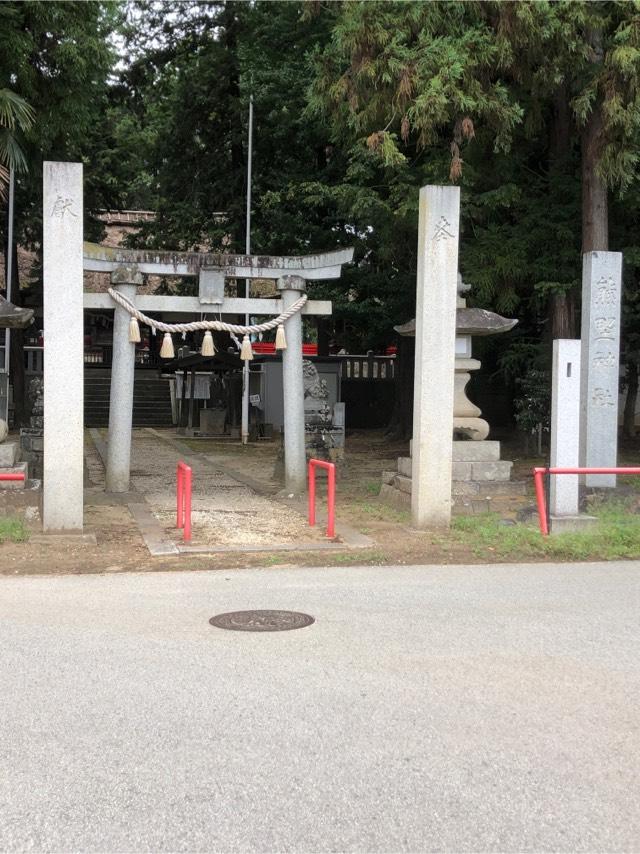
<point>65,257</point>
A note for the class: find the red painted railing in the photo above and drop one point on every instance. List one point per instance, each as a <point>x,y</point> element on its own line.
<point>540,471</point>
<point>331,495</point>
<point>14,476</point>
<point>183,499</point>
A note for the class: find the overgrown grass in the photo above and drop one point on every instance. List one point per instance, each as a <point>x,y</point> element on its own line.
<point>13,530</point>
<point>616,534</point>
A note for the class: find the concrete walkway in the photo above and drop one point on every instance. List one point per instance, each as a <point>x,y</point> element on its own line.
<point>427,709</point>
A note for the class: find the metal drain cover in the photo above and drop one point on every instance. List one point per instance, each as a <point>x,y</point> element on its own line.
<point>262,621</point>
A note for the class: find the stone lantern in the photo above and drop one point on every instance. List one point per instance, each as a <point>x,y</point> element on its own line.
<point>479,475</point>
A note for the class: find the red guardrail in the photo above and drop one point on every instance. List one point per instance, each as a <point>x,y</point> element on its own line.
<point>183,499</point>
<point>540,471</point>
<point>16,476</point>
<point>331,495</point>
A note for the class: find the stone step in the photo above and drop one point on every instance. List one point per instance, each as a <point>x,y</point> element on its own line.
<point>487,470</point>
<point>20,468</point>
<point>8,454</point>
<point>464,452</point>
<point>489,488</point>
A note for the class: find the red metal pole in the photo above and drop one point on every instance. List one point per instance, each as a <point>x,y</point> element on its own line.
<point>17,476</point>
<point>312,493</point>
<point>179,494</point>
<point>538,474</point>
<point>331,502</point>
<point>187,504</point>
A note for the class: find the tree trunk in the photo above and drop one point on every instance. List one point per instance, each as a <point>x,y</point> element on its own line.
<point>595,212</point>
<point>629,417</point>
<point>561,307</point>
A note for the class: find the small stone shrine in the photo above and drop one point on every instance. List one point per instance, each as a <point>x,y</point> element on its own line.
<point>478,472</point>
<point>323,424</point>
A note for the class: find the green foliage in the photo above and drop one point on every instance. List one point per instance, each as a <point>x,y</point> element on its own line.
<point>13,530</point>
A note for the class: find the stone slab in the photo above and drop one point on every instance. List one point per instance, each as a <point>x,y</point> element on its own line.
<point>461,471</point>
<point>498,470</point>
<point>402,483</point>
<point>568,524</point>
<point>20,468</point>
<point>493,488</point>
<point>151,531</point>
<point>395,496</point>
<point>482,451</point>
<point>388,476</point>
<point>32,443</point>
<point>8,454</point>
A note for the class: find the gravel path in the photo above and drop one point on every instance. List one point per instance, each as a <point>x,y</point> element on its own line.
<point>224,511</point>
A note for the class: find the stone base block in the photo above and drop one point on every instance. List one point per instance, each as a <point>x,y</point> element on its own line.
<point>20,468</point>
<point>395,497</point>
<point>8,454</point>
<point>32,440</point>
<point>489,488</point>
<point>402,483</point>
<point>388,476</point>
<point>476,452</point>
<point>471,506</point>
<point>566,524</point>
<point>498,470</point>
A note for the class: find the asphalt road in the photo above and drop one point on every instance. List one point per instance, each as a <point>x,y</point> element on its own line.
<point>427,709</point>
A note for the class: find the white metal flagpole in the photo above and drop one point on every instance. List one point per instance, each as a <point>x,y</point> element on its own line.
<point>9,276</point>
<point>245,368</point>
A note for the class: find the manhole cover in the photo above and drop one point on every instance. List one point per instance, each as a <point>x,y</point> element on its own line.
<point>262,621</point>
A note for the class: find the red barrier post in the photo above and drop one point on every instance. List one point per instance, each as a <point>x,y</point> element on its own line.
<point>331,502</point>
<point>538,474</point>
<point>183,499</point>
<point>179,496</point>
<point>12,476</point>
<point>331,495</point>
<point>312,494</point>
<point>187,504</point>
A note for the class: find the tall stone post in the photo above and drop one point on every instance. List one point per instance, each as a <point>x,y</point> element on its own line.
<point>124,279</point>
<point>62,495</point>
<point>565,426</point>
<point>295,460</point>
<point>436,298</point>
<point>601,288</point>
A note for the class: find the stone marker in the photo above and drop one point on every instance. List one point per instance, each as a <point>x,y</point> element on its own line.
<point>64,335</point>
<point>601,287</point>
<point>436,298</point>
<point>565,426</point>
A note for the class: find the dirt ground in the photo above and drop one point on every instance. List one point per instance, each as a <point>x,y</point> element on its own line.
<point>120,547</point>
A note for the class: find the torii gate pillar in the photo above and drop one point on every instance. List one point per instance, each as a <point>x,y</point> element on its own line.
<point>295,460</point>
<point>124,279</point>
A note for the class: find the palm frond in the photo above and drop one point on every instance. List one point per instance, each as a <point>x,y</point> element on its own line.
<point>15,111</point>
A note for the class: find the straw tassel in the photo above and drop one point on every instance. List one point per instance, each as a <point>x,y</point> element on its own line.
<point>134,331</point>
<point>281,338</point>
<point>167,351</point>
<point>208,347</point>
<point>246,353</point>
